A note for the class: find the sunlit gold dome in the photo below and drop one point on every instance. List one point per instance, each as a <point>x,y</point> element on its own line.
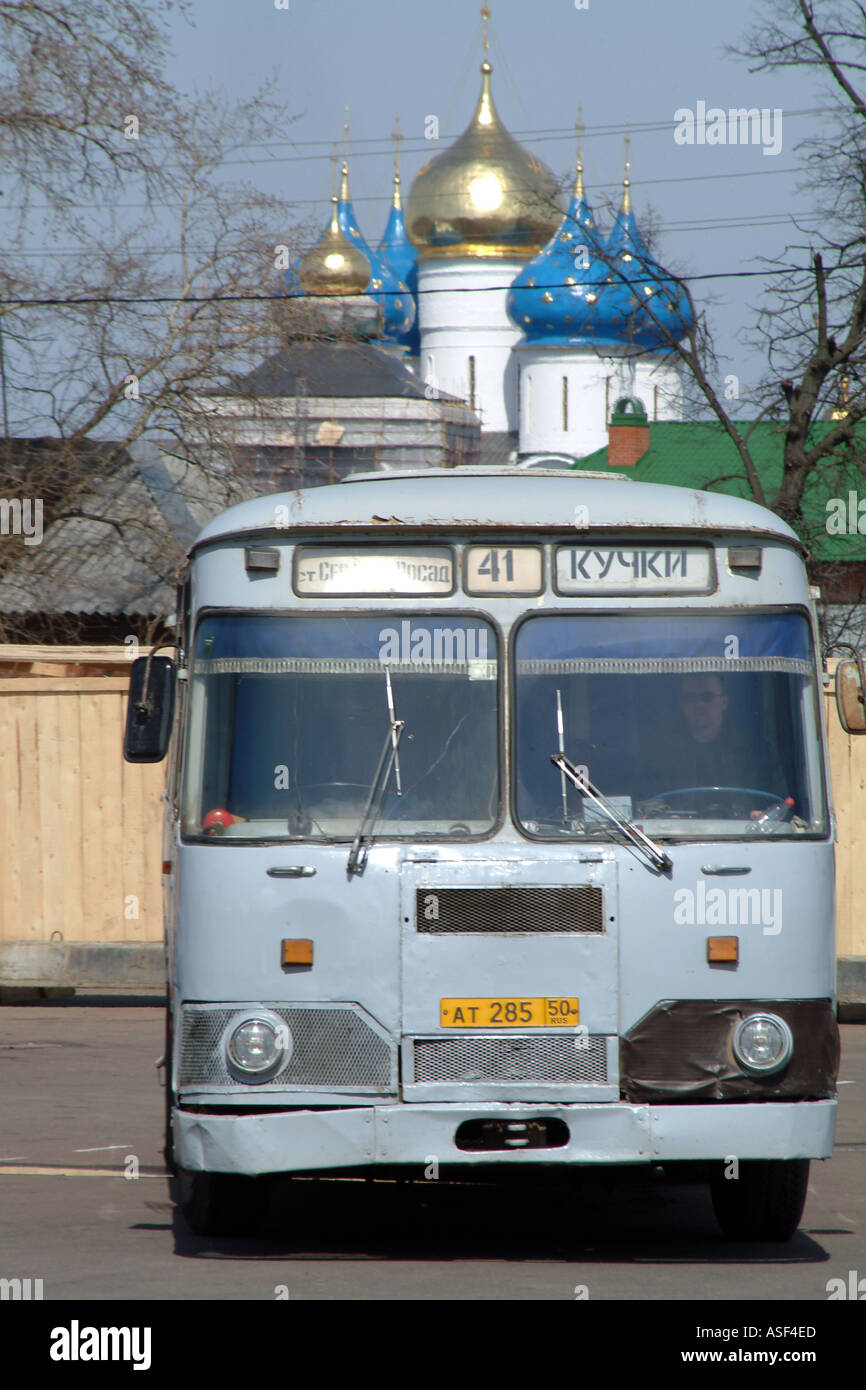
<point>486,196</point>
<point>333,266</point>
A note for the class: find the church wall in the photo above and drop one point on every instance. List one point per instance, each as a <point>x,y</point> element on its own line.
<point>549,423</point>
<point>657,383</point>
<point>464,320</point>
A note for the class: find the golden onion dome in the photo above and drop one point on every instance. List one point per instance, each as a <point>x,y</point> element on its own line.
<point>333,266</point>
<point>485,196</point>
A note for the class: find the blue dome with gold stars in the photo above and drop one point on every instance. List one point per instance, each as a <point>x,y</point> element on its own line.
<point>582,290</point>
<point>397,252</point>
<point>555,298</point>
<point>643,304</point>
<point>396,304</point>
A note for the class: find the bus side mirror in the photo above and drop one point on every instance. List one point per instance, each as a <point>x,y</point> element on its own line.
<point>849,697</point>
<point>150,710</point>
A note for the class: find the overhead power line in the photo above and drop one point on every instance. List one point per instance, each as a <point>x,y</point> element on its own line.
<point>20,302</point>
<point>692,224</point>
<point>362,143</point>
<point>385,197</point>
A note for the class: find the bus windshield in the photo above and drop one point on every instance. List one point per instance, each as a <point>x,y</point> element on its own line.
<point>288,716</point>
<point>694,725</point>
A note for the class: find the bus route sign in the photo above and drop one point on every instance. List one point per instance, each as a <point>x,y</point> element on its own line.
<point>338,572</point>
<point>593,569</point>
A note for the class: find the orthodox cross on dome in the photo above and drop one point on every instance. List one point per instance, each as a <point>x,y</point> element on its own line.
<point>485,115</point>
<point>626,183</point>
<point>335,160</point>
<point>344,172</point>
<point>843,404</point>
<point>485,15</point>
<point>397,136</point>
<point>578,186</point>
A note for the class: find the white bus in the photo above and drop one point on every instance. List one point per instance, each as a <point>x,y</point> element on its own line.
<point>498,834</point>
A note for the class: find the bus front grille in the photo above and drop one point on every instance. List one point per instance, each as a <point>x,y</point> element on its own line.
<point>514,908</point>
<point>333,1047</point>
<point>534,1057</point>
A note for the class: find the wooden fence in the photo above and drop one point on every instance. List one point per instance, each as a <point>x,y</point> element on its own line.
<point>81,830</point>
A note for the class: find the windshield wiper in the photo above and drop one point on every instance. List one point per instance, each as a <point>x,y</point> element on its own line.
<point>560,730</point>
<point>647,847</point>
<point>388,758</point>
<point>395,738</point>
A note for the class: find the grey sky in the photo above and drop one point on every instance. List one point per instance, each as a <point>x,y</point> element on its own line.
<point>618,59</point>
<point>717,208</point>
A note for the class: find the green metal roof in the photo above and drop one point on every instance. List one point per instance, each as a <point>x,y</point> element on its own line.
<point>701,455</point>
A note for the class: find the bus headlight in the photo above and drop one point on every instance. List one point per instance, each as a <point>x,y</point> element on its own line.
<point>763,1043</point>
<point>259,1046</point>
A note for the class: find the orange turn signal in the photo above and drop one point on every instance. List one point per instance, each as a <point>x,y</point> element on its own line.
<point>723,948</point>
<point>297,953</point>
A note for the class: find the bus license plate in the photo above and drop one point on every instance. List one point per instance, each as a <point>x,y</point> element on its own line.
<point>509,1013</point>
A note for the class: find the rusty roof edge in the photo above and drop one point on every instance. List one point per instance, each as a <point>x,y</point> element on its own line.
<point>372,530</point>
<point>537,503</point>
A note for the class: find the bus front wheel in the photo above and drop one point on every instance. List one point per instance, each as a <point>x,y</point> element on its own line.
<point>223,1204</point>
<point>764,1201</point>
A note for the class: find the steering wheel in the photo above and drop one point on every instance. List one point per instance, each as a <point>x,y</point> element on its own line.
<point>734,803</point>
<point>459,828</point>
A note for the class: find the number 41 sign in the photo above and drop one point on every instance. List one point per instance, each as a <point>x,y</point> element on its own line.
<point>514,569</point>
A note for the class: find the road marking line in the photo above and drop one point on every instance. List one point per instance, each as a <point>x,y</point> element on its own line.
<point>47,1171</point>
<point>103,1150</point>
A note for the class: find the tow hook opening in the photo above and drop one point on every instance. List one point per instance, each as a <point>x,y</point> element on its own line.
<point>545,1132</point>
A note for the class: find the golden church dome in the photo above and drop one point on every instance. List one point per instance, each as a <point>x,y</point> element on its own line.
<point>333,266</point>
<point>485,196</point>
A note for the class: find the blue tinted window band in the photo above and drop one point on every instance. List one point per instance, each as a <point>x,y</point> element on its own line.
<point>335,666</point>
<point>661,665</point>
<point>688,636</point>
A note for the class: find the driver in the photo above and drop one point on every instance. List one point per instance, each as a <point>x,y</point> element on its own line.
<point>707,750</point>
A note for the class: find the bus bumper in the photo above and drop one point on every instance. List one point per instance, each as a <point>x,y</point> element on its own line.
<point>304,1141</point>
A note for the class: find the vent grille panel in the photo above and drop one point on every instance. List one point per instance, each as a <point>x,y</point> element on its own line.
<point>510,909</point>
<point>532,1057</point>
<point>332,1048</point>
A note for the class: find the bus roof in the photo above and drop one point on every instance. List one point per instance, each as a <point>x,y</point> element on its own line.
<point>460,499</point>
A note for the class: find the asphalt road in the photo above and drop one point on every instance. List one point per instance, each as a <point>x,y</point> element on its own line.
<point>80,1115</point>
